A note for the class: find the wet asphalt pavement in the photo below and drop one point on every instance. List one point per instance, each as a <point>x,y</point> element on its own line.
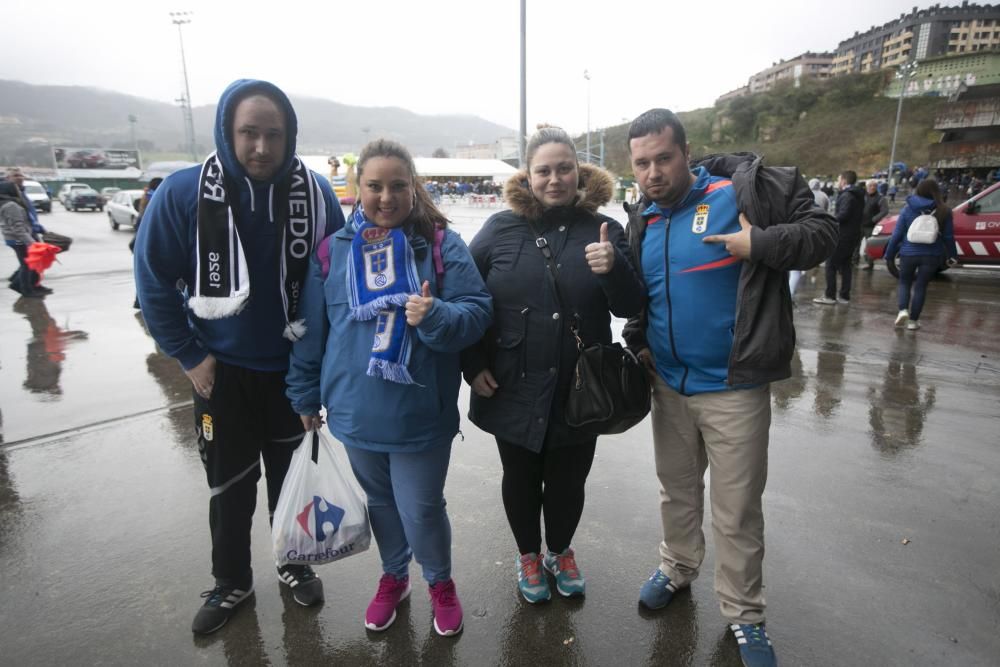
<point>882,504</point>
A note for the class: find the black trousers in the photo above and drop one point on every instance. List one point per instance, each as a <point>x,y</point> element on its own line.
<point>247,418</point>
<point>845,268</point>
<point>550,483</point>
<point>23,279</point>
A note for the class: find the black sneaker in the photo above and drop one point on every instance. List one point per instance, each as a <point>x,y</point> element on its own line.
<point>306,587</point>
<point>219,606</point>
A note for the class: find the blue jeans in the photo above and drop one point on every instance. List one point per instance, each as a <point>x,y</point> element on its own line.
<point>22,278</point>
<point>407,508</point>
<point>914,274</point>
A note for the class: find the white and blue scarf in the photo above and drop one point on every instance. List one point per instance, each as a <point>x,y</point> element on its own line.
<point>222,280</point>
<point>381,276</point>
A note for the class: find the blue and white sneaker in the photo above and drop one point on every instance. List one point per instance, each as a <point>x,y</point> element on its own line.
<point>569,581</point>
<point>755,645</point>
<point>658,591</point>
<point>531,579</point>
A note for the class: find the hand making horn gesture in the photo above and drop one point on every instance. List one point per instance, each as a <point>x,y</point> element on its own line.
<point>737,243</point>
<point>417,307</point>
<point>601,255</point>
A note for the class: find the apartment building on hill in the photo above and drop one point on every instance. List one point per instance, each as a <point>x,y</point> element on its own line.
<point>923,33</point>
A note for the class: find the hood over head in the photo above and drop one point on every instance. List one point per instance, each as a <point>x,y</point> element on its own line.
<point>236,92</point>
<point>596,187</point>
<point>10,192</point>
<point>814,184</point>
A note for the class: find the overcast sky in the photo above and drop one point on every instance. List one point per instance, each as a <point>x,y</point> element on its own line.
<point>433,56</point>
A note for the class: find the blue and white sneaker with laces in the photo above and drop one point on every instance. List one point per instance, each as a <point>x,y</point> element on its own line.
<point>531,579</point>
<point>569,581</point>
<point>658,590</point>
<point>755,645</point>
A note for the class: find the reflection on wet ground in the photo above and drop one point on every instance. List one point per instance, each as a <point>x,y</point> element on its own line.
<point>175,386</point>
<point>46,347</point>
<point>898,408</point>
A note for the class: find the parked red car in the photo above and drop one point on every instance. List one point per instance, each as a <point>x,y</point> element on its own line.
<point>977,231</point>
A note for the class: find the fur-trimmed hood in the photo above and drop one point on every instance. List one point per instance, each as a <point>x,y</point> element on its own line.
<point>594,192</point>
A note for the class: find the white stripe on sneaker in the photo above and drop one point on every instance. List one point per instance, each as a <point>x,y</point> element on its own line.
<point>233,598</point>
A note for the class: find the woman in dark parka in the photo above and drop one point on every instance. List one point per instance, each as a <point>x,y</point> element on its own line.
<point>521,371</point>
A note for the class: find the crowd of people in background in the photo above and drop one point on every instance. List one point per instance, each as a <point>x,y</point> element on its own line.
<point>439,189</point>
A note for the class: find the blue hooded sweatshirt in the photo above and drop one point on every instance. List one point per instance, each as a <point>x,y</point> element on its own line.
<point>898,245</point>
<point>166,253</point>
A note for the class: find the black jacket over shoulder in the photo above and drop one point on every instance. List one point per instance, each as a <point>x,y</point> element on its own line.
<point>789,232</point>
<point>530,349</point>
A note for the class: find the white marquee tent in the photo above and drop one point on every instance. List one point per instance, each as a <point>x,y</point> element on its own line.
<point>436,169</point>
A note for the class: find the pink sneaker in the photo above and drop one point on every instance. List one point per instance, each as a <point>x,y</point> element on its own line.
<point>447,608</point>
<point>382,609</point>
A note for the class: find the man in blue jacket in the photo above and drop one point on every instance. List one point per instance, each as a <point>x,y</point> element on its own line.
<point>220,261</point>
<point>714,242</point>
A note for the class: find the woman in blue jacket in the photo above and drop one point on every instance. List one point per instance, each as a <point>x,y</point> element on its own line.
<point>919,262</point>
<point>391,300</point>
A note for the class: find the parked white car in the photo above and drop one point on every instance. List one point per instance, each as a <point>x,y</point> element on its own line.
<point>38,196</point>
<point>123,209</point>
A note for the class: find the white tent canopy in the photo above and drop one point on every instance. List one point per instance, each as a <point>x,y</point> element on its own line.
<point>433,168</point>
<point>443,168</point>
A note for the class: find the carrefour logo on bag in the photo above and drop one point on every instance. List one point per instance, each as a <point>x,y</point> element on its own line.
<point>314,518</point>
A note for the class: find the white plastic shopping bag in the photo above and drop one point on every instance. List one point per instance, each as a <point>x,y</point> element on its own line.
<point>321,514</point>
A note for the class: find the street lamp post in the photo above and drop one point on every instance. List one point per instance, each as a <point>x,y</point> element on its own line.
<point>132,120</point>
<point>523,134</point>
<point>179,19</point>
<point>904,73</point>
<point>586,75</point>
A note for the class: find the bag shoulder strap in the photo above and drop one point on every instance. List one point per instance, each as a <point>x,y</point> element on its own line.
<point>543,245</point>
<point>436,254</point>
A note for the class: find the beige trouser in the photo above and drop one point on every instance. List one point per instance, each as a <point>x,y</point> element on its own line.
<point>728,432</point>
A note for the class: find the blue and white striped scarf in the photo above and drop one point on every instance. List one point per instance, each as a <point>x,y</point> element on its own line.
<point>381,276</point>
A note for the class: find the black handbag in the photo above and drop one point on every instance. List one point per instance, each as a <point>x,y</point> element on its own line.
<point>610,388</point>
<point>62,242</point>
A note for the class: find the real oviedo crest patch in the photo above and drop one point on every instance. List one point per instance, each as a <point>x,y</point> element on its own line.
<point>700,222</point>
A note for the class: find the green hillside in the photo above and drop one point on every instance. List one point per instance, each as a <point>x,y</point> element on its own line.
<point>823,127</point>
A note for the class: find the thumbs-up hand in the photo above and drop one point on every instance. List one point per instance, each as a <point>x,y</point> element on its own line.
<point>417,306</point>
<point>601,255</point>
<point>737,243</point>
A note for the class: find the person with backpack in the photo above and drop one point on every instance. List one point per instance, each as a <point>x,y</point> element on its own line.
<point>390,302</point>
<point>923,238</point>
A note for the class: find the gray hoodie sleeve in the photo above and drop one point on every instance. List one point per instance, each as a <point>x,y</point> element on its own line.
<point>15,224</point>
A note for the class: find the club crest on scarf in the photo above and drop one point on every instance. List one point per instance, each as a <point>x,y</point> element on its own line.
<point>380,270</point>
<point>381,276</point>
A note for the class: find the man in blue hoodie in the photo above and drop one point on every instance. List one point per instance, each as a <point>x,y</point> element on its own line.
<point>220,260</point>
<point>714,241</point>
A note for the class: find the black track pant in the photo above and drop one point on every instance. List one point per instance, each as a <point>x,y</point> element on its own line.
<point>247,418</point>
<point>550,483</point>
<point>845,268</point>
